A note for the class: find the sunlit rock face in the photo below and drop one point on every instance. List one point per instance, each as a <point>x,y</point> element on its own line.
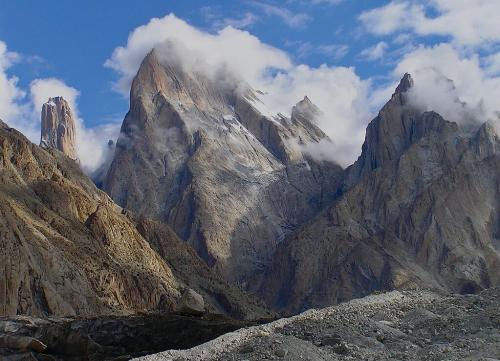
<point>196,153</point>
<point>58,129</point>
<point>66,249</point>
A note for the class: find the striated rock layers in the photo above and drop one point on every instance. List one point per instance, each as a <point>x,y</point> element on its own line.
<point>196,153</point>
<point>419,208</point>
<point>58,127</point>
<point>67,249</point>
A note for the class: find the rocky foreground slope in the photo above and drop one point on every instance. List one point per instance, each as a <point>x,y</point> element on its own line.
<point>407,325</point>
<point>24,338</point>
<point>66,249</point>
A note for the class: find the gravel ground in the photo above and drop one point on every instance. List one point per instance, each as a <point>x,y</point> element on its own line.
<point>408,325</point>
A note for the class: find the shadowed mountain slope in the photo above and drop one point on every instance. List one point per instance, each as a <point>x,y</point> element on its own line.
<point>419,208</point>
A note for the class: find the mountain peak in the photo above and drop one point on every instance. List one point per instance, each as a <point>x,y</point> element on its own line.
<point>306,100</point>
<point>58,130</point>
<point>405,84</point>
<point>305,109</point>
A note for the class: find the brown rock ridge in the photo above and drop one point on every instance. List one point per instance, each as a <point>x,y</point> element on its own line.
<point>66,249</point>
<point>195,153</point>
<point>58,127</point>
<point>419,208</point>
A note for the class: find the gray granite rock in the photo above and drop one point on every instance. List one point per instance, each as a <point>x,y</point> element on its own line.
<point>419,208</point>
<point>58,130</point>
<point>198,155</point>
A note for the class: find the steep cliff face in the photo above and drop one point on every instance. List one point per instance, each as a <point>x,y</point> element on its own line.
<point>58,127</point>
<point>67,249</point>
<point>195,153</point>
<point>419,208</point>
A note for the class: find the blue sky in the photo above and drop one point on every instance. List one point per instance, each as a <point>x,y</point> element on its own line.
<point>347,55</point>
<point>73,39</point>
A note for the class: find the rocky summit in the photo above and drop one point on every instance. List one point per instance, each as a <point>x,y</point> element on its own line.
<point>419,208</point>
<point>196,153</point>
<point>58,130</point>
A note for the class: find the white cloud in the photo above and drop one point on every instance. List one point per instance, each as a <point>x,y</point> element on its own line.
<point>446,75</point>
<point>433,68</point>
<point>467,22</point>
<point>43,89</point>
<point>492,64</point>
<point>240,51</point>
<point>346,100</point>
<point>375,52</point>
<point>338,91</point>
<point>402,38</point>
<point>91,143</point>
<point>387,19</point>
<point>10,93</point>
<point>23,112</point>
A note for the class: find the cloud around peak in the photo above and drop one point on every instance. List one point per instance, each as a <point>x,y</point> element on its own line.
<point>240,51</point>
<point>338,91</point>
<point>452,84</point>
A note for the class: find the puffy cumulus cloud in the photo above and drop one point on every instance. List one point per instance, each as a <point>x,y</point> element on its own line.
<point>93,148</point>
<point>10,93</point>
<point>389,18</point>
<point>467,22</point>
<point>452,84</point>
<point>43,89</point>
<point>21,108</point>
<point>241,52</point>
<point>454,78</point>
<point>338,91</point>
